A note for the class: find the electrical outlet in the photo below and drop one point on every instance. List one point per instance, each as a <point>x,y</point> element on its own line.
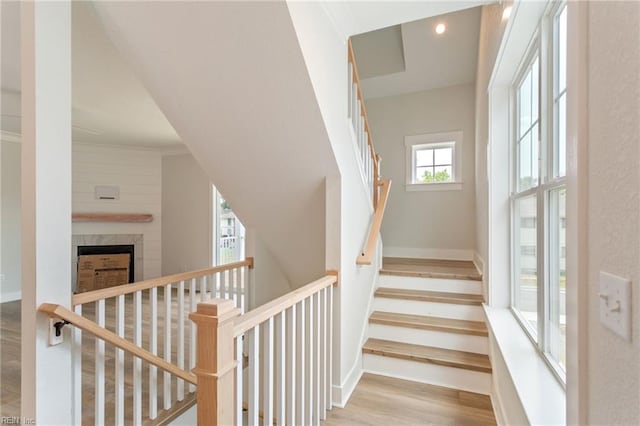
<point>56,335</point>
<point>615,304</point>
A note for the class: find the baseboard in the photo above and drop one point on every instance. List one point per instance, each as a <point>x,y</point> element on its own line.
<point>11,296</point>
<point>498,407</point>
<point>429,253</point>
<point>342,393</point>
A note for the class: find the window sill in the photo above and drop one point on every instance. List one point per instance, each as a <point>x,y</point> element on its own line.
<point>445,186</point>
<point>541,395</point>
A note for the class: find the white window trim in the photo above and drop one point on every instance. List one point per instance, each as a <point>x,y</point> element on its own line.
<point>433,139</point>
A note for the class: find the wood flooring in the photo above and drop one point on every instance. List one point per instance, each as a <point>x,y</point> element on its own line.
<point>430,268</point>
<point>448,325</point>
<point>430,296</point>
<point>379,400</point>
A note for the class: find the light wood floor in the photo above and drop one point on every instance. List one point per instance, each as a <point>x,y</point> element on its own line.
<point>430,268</point>
<point>379,400</point>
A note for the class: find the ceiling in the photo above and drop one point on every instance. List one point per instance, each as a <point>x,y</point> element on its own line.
<point>413,58</point>
<point>109,103</point>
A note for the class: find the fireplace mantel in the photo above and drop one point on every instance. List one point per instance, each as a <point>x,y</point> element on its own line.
<point>111,217</point>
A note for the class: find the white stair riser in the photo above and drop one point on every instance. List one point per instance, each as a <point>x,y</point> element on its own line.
<point>457,378</point>
<point>432,309</point>
<point>438,339</point>
<point>430,284</point>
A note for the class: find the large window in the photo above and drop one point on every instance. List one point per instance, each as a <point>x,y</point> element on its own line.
<point>538,201</point>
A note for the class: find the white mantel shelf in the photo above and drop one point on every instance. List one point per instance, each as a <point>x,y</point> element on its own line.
<point>111,217</point>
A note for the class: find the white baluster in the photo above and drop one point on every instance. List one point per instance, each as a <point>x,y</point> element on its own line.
<point>224,291</point>
<point>239,380</point>
<point>281,363</point>
<point>192,331</point>
<point>203,289</point>
<point>181,315</point>
<point>254,374</point>
<point>350,90</point>
<point>167,345</point>
<point>99,371</point>
<point>300,386</point>
<point>267,372</point>
<point>330,347</point>
<point>354,109</point>
<point>137,362</point>
<point>323,353</point>
<point>153,348</point>
<point>316,360</point>
<point>77,369</point>
<point>234,286</point>
<point>242,288</point>
<point>119,361</point>
<point>309,362</point>
<point>291,374</point>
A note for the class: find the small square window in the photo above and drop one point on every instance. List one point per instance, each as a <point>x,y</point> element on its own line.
<point>434,161</point>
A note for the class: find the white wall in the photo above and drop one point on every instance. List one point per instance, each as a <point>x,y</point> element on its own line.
<point>491,30</point>
<point>137,172</point>
<point>427,223</point>
<point>10,268</point>
<point>348,205</point>
<point>613,204</point>
<point>186,215</point>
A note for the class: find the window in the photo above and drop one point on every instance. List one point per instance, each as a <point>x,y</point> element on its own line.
<point>538,197</point>
<point>434,161</point>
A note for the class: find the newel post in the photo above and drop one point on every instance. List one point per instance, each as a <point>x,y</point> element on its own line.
<point>215,361</point>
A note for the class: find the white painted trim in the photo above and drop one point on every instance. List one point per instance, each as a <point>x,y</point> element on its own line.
<point>498,406</point>
<point>429,253</point>
<point>342,393</point>
<point>360,167</point>
<point>442,186</point>
<point>11,296</point>
<point>541,395</point>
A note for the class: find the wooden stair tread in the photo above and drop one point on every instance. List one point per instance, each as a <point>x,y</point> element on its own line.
<point>430,296</point>
<point>428,354</point>
<point>475,328</point>
<point>430,268</point>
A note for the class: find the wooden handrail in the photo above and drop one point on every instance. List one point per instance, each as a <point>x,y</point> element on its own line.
<point>370,247</point>
<point>92,296</point>
<point>60,312</point>
<point>259,315</point>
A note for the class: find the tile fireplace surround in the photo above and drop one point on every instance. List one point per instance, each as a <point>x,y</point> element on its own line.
<point>107,240</point>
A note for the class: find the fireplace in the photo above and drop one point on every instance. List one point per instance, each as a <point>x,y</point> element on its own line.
<point>112,249</point>
<point>108,241</point>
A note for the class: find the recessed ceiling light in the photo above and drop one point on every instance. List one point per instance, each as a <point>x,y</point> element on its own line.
<point>506,13</point>
<point>440,28</point>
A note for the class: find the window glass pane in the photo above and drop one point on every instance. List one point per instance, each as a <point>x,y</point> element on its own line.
<point>443,174</point>
<point>534,155</point>
<point>562,136</point>
<point>534,91</point>
<point>424,174</point>
<point>444,156</point>
<point>424,157</point>
<point>524,152</point>
<point>524,104</point>
<point>562,50</point>
<point>525,261</point>
<point>557,275</point>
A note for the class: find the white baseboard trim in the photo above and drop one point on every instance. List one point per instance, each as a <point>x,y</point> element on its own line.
<point>498,406</point>
<point>342,393</point>
<point>428,253</point>
<point>11,296</point>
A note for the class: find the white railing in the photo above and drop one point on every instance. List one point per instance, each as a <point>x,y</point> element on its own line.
<point>368,159</point>
<point>153,315</point>
<point>287,344</point>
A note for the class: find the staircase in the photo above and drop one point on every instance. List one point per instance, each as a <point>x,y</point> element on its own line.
<point>428,326</point>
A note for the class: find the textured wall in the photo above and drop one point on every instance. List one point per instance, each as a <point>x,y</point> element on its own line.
<point>614,214</point>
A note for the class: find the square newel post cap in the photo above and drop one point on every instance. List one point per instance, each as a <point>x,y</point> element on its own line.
<point>215,310</point>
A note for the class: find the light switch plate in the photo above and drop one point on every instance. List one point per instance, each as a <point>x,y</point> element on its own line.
<point>615,304</point>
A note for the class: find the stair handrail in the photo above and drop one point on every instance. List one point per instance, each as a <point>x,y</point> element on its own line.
<point>67,316</point>
<point>106,293</point>
<point>259,315</point>
<point>366,256</point>
<point>375,158</point>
